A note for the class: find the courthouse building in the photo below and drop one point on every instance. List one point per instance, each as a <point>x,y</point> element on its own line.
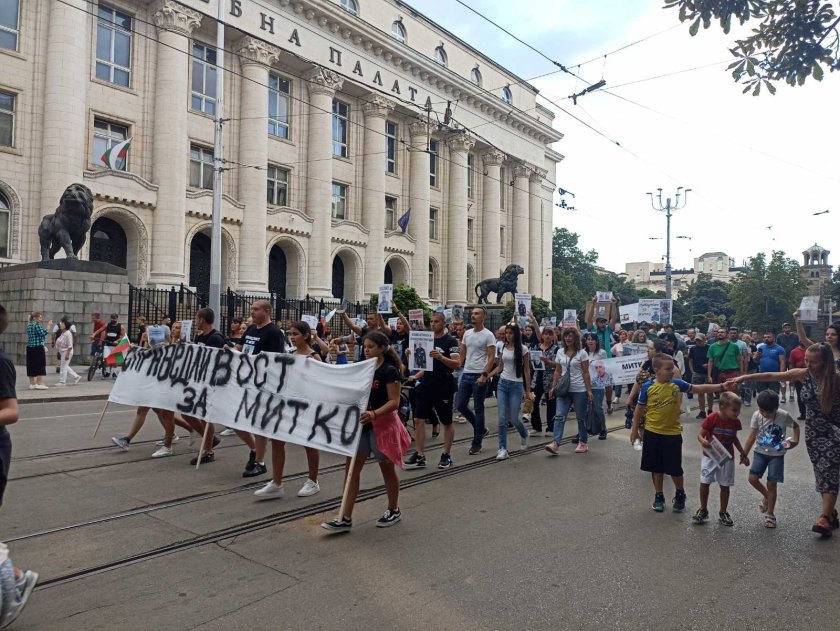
<point>335,125</point>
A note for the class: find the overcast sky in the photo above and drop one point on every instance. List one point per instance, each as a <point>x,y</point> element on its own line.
<point>751,162</point>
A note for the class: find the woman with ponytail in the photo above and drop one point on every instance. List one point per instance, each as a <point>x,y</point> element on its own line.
<point>514,368</point>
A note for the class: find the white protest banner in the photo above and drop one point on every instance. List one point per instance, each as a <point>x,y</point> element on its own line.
<point>421,344</point>
<point>809,309</point>
<point>386,296</point>
<point>603,296</point>
<point>276,395</point>
<point>186,330</point>
<point>616,370</point>
<point>655,310</point>
<point>628,313</point>
<point>415,319</point>
<point>311,320</point>
<point>570,318</point>
<point>631,348</point>
<point>523,304</point>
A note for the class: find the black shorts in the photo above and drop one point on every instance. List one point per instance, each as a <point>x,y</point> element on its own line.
<point>662,453</point>
<point>36,361</point>
<point>434,401</point>
<point>5,460</point>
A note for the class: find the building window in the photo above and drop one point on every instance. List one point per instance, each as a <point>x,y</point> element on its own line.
<point>470,164</point>
<point>433,163</point>
<point>507,96</point>
<point>204,79</point>
<point>340,120</point>
<point>278,182</point>
<point>279,90</point>
<point>720,265</point>
<point>433,223</point>
<point>201,167</point>
<point>432,280</point>
<point>9,23</point>
<point>502,190</point>
<point>113,46</point>
<point>339,201</point>
<point>350,6</point>
<point>470,242</point>
<point>391,147</point>
<point>5,224</point>
<point>502,240</point>
<point>398,31</point>
<point>7,119</point>
<point>390,213</point>
<point>475,77</point>
<point>105,136</point>
<point>440,56</point>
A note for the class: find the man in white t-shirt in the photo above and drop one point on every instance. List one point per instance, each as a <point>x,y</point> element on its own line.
<point>477,351</point>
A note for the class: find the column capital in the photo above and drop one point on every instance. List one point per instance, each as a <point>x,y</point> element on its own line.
<point>522,170</point>
<point>419,128</point>
<point>171,16</point>
<point>322,81</point>
<point>493,158</point>
<point>538,175</point>
<point>461,142</point>
<point>255,51</point>
<point>378,106</point>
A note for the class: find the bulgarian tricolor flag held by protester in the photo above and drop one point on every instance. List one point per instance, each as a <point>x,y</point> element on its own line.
<point>117,151</point>
<point>117,356</point>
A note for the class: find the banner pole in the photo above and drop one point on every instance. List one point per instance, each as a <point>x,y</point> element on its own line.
<point>101,416</point>
<point>350,468</point>
<point>201,446</point>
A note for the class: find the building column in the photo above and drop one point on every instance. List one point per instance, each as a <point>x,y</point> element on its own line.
<point>548,238</point>
<point>175,24</point>
<point>535,270</point>
<point>376,110</point>
<point>520,228</point>
<point>322,84</point>
<point>255,57</point>
<point>456,259</point>
<point>65,124</point>
<point>491,242</point>
<point>418,224</point>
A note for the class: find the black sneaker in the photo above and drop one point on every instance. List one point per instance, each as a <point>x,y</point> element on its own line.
<point>602,435</point>
<point>701,516</point>
<point>659,502</point>
<point>217,441</point>
<point>415,461</point>
<point>338,524</point>
<point>474,451</point>
<point>678,505</point>
<point>390,518</point>
<point>259,469</point>
<point>725,519</point>
<point>701,415</point>
<point>445,462</point>
<point>486,433</point>
<point>252,460</point>
<point>205,458</point>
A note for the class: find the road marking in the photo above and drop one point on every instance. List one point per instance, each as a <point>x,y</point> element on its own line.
<point>44,418</point>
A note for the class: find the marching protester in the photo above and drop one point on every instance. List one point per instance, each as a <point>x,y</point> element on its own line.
<point>605,333</point>
<point>573,365</point>
<point>832,337</point>
<point>771,358</point>
<point>477,352</point>
<point>206,335</point>
<point>434,395</point>
<point>617,350</point>
<point>674,351</point>
<point>16,585</point>
<point>821,394</point>
<point>64,346</point>
<point>265,336</point>
<point>36,354</point>
<point>698,361</point>
<point>97,338</point>
<point>541,383</point>
<point>724,359</point>
<point>788,341</point>
<point>514,372</point>
<point>384,438</point>
<point>797,360</point>
<point>602,381</point>
<point>373,322</point>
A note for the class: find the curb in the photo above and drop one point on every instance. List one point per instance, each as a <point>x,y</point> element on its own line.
<point>65,399</point>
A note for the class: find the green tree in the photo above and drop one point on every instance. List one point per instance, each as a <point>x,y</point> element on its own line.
<point>624,290</point>
<point>573,271</point>
<point>539,307</point>
<point>405,297</point>
<point>644,292</point>
<point>703,296</point>
<point>765,294</point>
<point>792,40</point>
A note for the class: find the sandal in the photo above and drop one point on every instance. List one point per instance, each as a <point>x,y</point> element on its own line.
<point>823,526</point>
<point>834,520</point>
<point>769,521</point>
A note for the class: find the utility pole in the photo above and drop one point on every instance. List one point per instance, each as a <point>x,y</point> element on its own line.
<point>215,298</point>
<point>668,209</point>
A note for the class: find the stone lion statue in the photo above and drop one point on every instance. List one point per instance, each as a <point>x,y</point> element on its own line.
<point>505,284</point>
<point>68,226</point>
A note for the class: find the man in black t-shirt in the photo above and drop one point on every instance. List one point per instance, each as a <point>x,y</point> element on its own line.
<point>435,393</point>
<point>207,335</point>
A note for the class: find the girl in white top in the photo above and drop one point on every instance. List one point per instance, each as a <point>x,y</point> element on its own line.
<point>64,346</point>
<point>515,369</point>
<point>572,358</point>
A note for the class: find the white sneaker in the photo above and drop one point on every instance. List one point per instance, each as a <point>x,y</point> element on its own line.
<point>227,431</point>
<point>163,451</point>
<point>523,442</point>
<point>533,432</point>
<point>60,383</point>
<point>40,386</point>
<point>502,455</point>
<point>77,379</point>
<point>31,387</point>
<point>271,491</point>
<point>162,441</point>
<point>548,433</point>
<point>310,487</point>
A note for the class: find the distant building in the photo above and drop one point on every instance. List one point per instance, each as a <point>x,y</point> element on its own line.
<point>651,275</point>
<point>817,273</point>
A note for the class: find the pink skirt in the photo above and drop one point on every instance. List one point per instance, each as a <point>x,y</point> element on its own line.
<point>392,438</point>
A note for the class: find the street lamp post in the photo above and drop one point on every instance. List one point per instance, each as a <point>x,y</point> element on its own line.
<point>668,209</point>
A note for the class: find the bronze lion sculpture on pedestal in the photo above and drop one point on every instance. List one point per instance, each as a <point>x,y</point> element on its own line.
<point>68,226</point>
<point>505,284</point>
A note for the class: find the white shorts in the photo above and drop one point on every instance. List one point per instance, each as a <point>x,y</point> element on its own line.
<point>723,475</point>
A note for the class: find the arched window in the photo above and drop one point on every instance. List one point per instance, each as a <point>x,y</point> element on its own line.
<point>440,56</point>
<point>507,96</point>
<point>432,279</point>
<point>108,242</point>
<point>350,6</point>
<point>398,31</point>
<point>5,226</point>
<point>475,77</point>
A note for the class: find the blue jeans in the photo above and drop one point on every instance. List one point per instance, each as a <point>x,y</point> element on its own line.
<point>467,388</point>
<point>564,404</point>
<point>509,394</point>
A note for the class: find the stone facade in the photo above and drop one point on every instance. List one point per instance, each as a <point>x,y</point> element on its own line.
<point>67,91</point>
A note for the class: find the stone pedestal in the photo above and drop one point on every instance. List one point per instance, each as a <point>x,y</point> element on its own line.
<point>57,288</point>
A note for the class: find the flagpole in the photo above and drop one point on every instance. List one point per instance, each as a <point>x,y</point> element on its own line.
<point>216,234</point>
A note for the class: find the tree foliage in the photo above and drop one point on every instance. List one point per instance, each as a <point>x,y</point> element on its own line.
<point>765,294</point>
<point>703,298</point>
<point>405,297</point>
<point>793,39</point>
<point>573,275</point>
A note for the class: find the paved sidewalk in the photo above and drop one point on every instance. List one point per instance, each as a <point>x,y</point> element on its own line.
<point>85,390</point>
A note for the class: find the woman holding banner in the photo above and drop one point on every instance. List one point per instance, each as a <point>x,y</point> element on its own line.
<point>384,438</point>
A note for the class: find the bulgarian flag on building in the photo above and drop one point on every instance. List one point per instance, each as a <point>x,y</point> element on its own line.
<point>117,151</point>
<point>117,356</point>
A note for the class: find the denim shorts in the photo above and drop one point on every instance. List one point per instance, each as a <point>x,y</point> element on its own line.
<point>773,465</point>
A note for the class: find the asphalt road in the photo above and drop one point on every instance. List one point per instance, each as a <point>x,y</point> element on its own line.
<point>534,542</point>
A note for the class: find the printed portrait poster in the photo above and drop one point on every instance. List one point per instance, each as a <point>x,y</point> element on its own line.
<point>386,297</point>
<point>457,313</point>
<point>186,330</point>
<point>392,323</point>
<point>421,344</point>
<point>628,313</point>
<point>553,320</point>
<point>447,314</point>
<point>665,312</point>
<point>603,296</point>
<point>522,304</point>
<point>415,319</point>
<point>345,305</point>
<point>536,359</point>
<point>809,308</point>
<point>570,317</point>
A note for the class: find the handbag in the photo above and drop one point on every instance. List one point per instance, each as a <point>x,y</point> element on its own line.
<point>527,406</point>
<point>564,382</point>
